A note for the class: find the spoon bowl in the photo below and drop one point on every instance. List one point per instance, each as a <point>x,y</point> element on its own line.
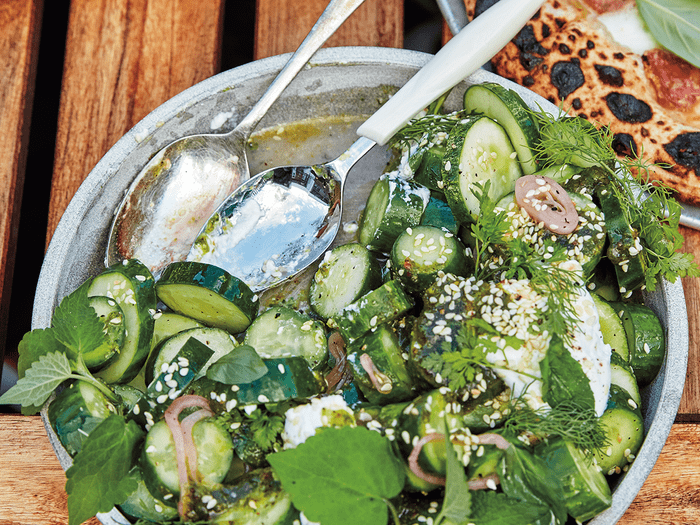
<point>178,189</point>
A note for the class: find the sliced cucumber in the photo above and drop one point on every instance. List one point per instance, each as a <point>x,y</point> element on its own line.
<point>166,325</point>
<point>420,253</point>
<point>132,286</point>
<point>611,327</point>
<point>386,303</point>
<point>507,108</point>
<point>622,375</point>
<point>438,213</point>
<point>586,491</point>
<point>346,273</point>
<point>645,338</point>
<point>75,412</point>
<point>283,332</point>
<point>141,505</point>
<point>393,205</point>
<point>171,380</point>
<point>208,294</point>
<point>257,498</point>
<point>219,341</point>
<point>624,429</point>
<point>478,150</point>
<point>624,249</point>
<point>286,378</point>
<point>392,381</point>
<point>112,316</point>
<point>159,459</point>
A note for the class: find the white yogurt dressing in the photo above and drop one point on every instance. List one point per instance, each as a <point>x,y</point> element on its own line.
<point>588,349</point>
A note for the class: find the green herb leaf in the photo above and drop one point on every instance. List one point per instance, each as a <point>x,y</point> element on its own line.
<point>342,476</point>
<point>563,378</point>
<point>241,365</point>
<point>675,24</point>
<point>76,324</point>
<point>527,478</point>
<point>456,505</point>
<point>495,508</point>
<point>34,345</point>
<point>99,478</point>
<point>39,381</point>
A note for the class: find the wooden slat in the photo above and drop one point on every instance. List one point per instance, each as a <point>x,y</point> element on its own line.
<point>689,409</point>
<point>281,25</point>
<point>30,469</point>
<point>20,25</point>
<point>123,59</point>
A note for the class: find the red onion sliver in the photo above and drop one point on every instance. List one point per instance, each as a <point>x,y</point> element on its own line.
<point>413,459</point>
<point>493,439</point>
<point>187,425</point>
<point>483,483</point>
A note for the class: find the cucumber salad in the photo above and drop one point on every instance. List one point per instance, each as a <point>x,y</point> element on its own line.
<point>474,356</point>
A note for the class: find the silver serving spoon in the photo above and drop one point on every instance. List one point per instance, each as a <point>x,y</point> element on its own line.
<point>173,195</point>
<point>280,221</point>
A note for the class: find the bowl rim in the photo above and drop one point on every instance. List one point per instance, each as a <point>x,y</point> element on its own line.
<point>666,393</point>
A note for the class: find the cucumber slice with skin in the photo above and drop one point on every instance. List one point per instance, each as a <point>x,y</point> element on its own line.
<point>645,338</point>
<point>209,295</point>
<point>624,428</point>
<point>286,378</point>
<point>507,108</point>
<point>166,325</point>
<point>219,341</point>
<point>283,332</point>
<point>586,491</point>
<point>383,305</point>
<point>624,250</point>
<point>611,327</point>
<point>478,150</point>
<point>392,382</point>
<point>141,505</point>
<point>393,205</point>
<point>75,412</point>
<point>622,375</point>
<point>159,460</point>
<point>112,316</point>
<point>420,253</point>
<point>345,274</point>
<point>131,285</point>
<point>169,383</point>
<point>438,213</point>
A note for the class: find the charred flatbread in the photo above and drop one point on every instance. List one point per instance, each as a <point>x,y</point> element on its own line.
<point>651,101</point>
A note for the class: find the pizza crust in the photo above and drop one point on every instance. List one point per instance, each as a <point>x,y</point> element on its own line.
<point>568,57</point>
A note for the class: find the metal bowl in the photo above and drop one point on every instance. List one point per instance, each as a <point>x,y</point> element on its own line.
<point>351,81</point>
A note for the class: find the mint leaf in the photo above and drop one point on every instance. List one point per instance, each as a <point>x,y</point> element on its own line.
<point>495,508</point>
<point>76,324</point>
<point>99,478</point>
<point>563,378</point>
<point>457,504</point>
<point>35,344</point>
<point>342,476</point>
<point>39,381</point>
<point>241,365</point>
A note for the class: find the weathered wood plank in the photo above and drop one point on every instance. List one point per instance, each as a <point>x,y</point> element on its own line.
<point>20,26</point>
<point>282,25</point>
<point>123,59</point>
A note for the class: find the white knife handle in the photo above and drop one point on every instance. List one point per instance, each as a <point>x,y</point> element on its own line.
<point>471,48</point>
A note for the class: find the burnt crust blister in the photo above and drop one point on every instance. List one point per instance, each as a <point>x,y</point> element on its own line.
<point>566,56</point>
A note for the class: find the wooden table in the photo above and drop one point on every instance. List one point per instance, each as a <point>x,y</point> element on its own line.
<point>123,59</point>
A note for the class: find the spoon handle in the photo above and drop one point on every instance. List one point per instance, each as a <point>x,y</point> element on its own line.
<point>336,12</point>
<point>473,46</point>
<point>350,156</point>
